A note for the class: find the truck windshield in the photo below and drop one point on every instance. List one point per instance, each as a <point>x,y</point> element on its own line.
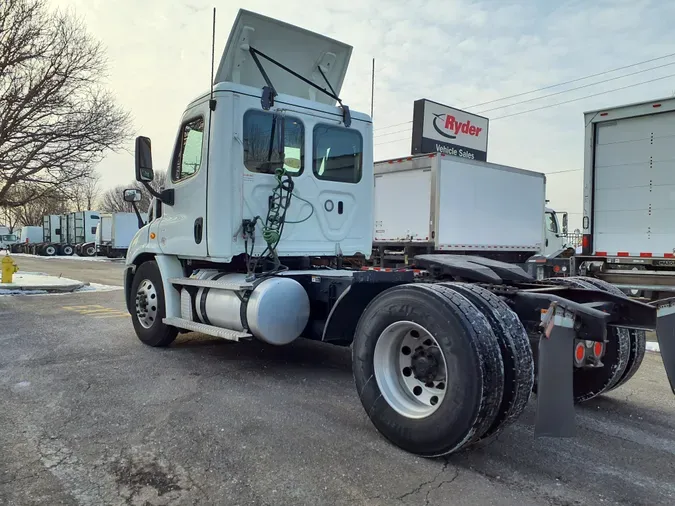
<point>8,238</point>
<point>337,154</point>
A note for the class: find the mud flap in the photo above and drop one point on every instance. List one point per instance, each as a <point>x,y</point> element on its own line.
<point>665,334</point>
<point>555,394</point>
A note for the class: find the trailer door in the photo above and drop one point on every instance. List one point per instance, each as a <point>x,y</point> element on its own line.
<point>634,180</point>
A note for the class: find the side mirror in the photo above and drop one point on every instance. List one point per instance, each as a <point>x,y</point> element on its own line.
<point>564,223</point>
<point>132,195</point>
<point>144,172</point>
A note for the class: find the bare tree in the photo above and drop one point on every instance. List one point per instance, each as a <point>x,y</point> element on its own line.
<point>85,193</point>
<point>113,200</point>
<point>31,212</point>
<point>56,119</point>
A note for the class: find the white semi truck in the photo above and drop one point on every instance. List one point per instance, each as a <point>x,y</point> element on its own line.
<point>270,192</point>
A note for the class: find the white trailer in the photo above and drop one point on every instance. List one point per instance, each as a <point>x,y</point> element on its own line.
<point>457,205</point>
<point>629,202</point>
<point>257,235</point>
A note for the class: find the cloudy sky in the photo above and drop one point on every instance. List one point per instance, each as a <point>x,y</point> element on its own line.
<point>457,52</point>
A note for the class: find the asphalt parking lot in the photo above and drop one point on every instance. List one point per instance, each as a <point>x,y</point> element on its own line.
<point>90,416</point>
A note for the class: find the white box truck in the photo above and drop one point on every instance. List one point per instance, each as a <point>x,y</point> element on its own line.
<point>103,233</point>
<point>457,205</point>
<point>115,232</point>
<point>28,236</point>
<point>253,235</point>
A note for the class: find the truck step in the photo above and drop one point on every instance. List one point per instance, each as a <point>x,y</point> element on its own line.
<point>208,283</point>
<point>231,335</point>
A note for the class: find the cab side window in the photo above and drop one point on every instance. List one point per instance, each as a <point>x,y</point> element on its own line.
<point>551,224</point>
<point>263,143</point>
<point>188,154</point>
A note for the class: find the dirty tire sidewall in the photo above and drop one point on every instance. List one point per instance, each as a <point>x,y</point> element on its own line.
<point>67,250</point>
<point>516,353</point>
<point>638,347</point>
<point>158,334</point>
<point>457,327</point>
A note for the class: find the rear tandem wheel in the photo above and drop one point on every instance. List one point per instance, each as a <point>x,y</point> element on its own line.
<point>429,369</point>
<point>624,350</point>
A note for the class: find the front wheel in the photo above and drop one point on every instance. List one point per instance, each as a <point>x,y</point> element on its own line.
<point>427,369</point>
<point>148,306</point>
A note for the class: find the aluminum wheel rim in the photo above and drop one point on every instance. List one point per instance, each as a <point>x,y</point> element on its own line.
<point>396,362</point>
<point>146,304</point>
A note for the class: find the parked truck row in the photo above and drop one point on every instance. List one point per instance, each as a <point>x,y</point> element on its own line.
<point>274,232</point>
<point>85,233</point>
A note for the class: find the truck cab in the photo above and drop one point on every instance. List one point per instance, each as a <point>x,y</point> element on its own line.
<point>555,232</point>
<point>7,240</point>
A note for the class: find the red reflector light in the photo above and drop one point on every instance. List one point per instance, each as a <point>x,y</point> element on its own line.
<point>556,268</point>
<point>601,253</point>
<point>580,353</point>
<point>622,254</point>
<point>586,241</point>
<point>656,105</point>
<point>604,114</point>
<point>597,349</point>
<point>646,255</point>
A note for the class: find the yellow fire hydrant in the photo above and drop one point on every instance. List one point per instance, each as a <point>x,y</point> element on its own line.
<point>8,269</point>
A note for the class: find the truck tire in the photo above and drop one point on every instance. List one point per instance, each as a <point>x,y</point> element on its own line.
<point>49,250</point>
<point>67,250</point>
<point>589,383</point>
<point>89,250</point>
<point>427,368</point>
<point>638,338</point>
<point>515,350</point>
<point>148,309</point>
<point>638,347</point>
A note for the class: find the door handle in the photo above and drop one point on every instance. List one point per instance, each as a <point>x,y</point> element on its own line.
<point>199,227</point>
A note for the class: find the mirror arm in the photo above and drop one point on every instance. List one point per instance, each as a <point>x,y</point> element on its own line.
<point>165,196</point>
<point>141,223</point>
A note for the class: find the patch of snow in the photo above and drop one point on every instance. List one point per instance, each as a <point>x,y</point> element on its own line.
<point>97,287</point>
<point>653,347</point>
<point>5,291</point>
<point>30,280</point>
<point>73,257</point>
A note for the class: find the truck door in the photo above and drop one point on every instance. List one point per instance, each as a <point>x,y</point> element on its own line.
<point>182,227</point>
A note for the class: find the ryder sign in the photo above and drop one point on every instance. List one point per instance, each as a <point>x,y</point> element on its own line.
<point>447,130</point>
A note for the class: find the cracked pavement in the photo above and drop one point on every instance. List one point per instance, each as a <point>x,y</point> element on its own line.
<point>90,416</point>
